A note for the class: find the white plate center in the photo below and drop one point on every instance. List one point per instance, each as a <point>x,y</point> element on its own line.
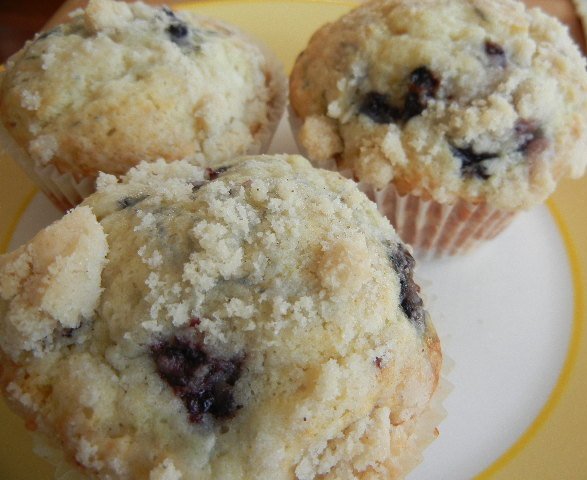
<point>504,315</point>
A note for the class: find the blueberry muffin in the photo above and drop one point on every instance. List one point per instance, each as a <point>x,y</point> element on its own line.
<point>122,83</point>
<point>260,321</point>
<point>456,114</point>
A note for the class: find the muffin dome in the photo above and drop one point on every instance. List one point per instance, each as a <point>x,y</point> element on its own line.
<point>484,101</point>
<point>260,321</point>
<point>121,83</point>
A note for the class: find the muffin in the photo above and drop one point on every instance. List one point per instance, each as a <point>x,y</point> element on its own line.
<point>122,83</point>
<point>454,115</point>
<point>260,321</point>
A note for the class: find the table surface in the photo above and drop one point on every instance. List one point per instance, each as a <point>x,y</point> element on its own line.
<point>20,19</point>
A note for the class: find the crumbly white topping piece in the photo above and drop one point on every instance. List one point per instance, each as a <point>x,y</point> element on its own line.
<point>51,284</point>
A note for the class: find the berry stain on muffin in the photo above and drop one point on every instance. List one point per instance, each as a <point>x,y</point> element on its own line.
<point>214,173</point>
<point>180,33</point>
<point>377,107</point>
<point>496,53</point>
<point>472,162</point>
<point>127,202</point>
<point>202,381</point>
<point>530,137</point>
<point>410,300</point>
<point>422,86</point>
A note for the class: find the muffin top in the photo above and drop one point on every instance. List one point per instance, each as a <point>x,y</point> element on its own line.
<point>259,321</point>
<point>482,100</point>
<point>123,83</point>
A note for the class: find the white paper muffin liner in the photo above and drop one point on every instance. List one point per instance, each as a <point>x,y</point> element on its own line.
<point>62,189</point>
<point>435,229</point>
<point>50,451</point>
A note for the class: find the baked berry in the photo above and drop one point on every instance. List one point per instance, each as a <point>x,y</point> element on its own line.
<point>410,301</point>
<point>214,173</point>
<point>496,53</point>
<point>178,32</point>
<point>471,161</point>
<point>127,202</point>
<point>423,86</point>
<point>531,137</point>
<point>167,11</point>
<point>377,107</point>
<point>48,33</point>
<point>203,382</point>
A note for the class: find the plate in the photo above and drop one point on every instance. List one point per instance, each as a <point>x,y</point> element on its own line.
<point>511,315</point>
